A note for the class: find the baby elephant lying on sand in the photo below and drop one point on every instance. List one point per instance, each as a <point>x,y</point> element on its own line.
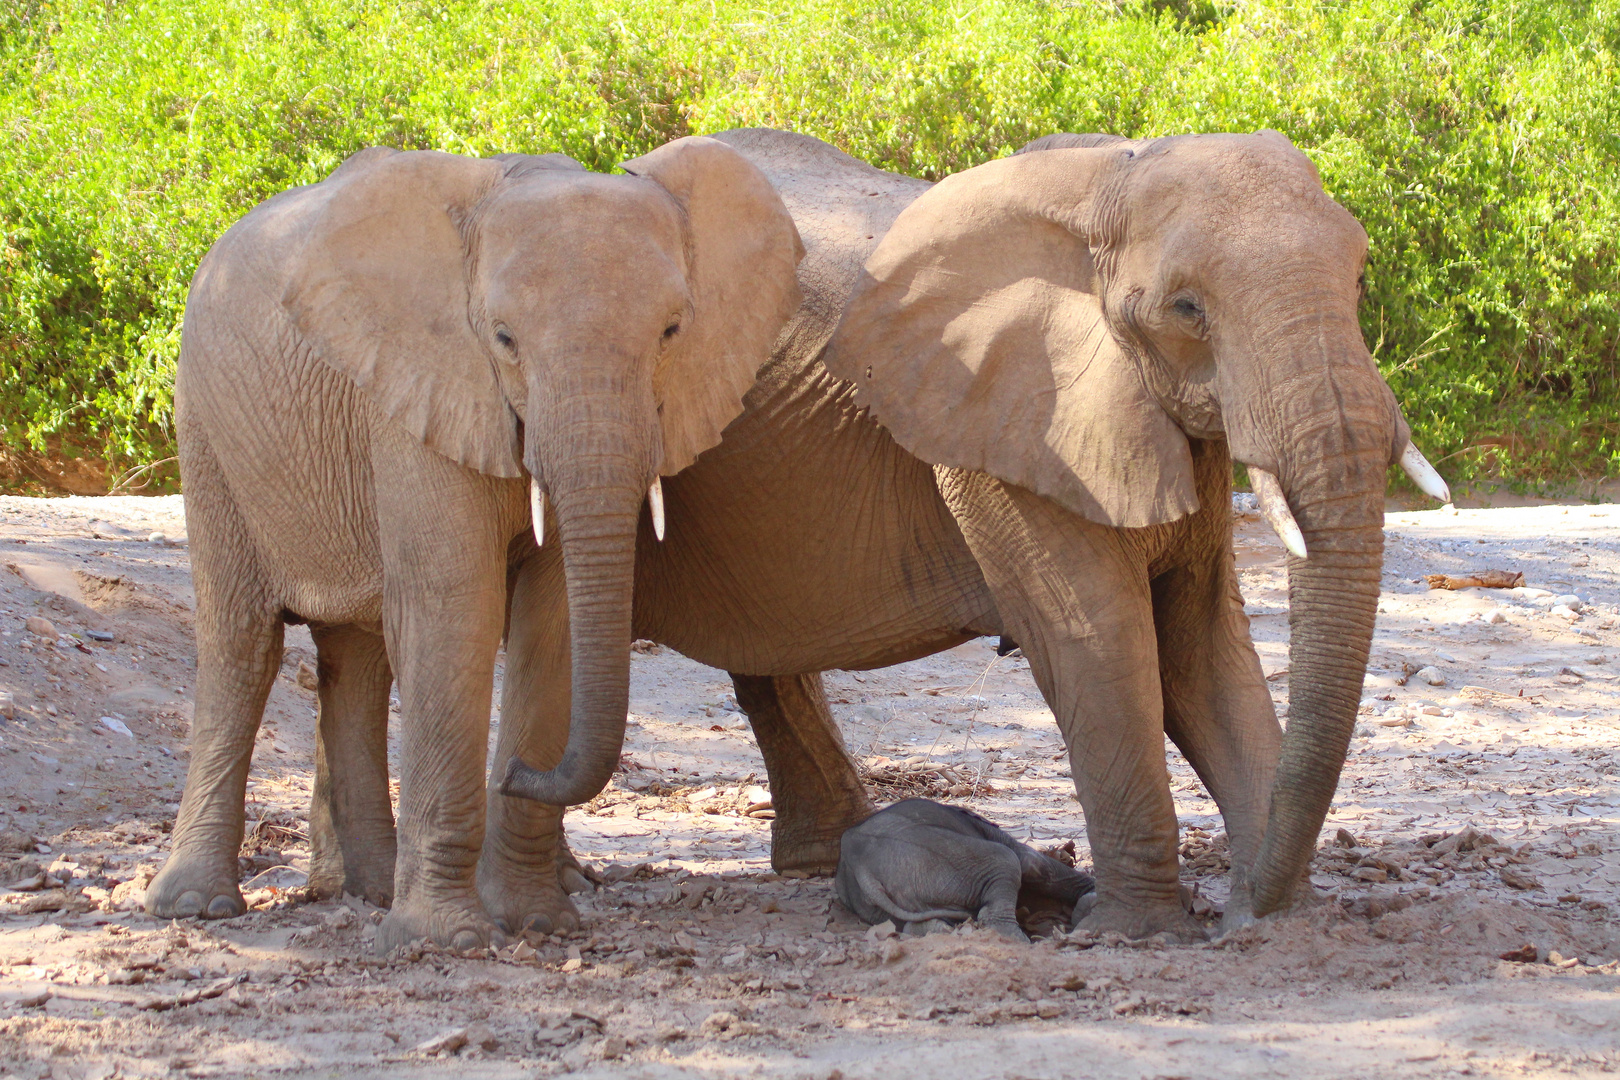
<point>919,860</point>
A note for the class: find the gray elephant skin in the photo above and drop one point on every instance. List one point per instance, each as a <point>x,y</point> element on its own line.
<point>919,861</point>
<point>388,379</point>
<point>1010,403</point>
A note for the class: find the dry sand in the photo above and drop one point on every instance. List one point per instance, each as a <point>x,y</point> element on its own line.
<point>1480,817</point>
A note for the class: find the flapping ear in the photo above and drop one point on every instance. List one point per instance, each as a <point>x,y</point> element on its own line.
<point>977,337</point>
<point>742,254</point>
<point>379,289</point>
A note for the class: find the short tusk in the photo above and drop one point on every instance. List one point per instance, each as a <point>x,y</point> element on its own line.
<point>1423,474</point>
<point>655,500</point>
<point>1274,508</point>
<point>537,511</point>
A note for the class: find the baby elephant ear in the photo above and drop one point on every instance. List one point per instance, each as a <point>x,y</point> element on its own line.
<point>742,253</point>
<point>977,337</point>
<point>379,290</point>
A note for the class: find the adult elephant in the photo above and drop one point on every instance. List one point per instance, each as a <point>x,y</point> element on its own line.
<point>1066,348</point>
<point>387,379</point>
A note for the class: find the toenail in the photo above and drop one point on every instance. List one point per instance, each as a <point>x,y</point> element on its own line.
<point>188,904</point>
<point>465,940</point>
<point>537,924</point>
<point>224,907</point>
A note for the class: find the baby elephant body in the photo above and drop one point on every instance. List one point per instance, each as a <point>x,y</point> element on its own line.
<point>920,860</point>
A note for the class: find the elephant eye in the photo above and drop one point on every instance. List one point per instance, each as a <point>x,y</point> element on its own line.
<point>504,336</point>
<point>1187,307</point>
<point>672,329</point>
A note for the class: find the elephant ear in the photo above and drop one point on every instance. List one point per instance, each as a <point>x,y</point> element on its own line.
<point>976,336</point>
<point>379,290</point>
<point>742,255</point>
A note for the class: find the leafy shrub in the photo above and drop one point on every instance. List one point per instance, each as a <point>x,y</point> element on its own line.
<point>1479,142</point>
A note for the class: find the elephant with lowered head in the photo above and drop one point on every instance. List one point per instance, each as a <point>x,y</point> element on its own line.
<point>393,384</point>
<point>1069,347</point>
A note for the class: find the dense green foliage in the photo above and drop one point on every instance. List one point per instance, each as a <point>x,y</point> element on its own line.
<point>1477,140</point>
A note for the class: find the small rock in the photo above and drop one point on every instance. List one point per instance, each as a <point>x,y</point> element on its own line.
<point>1559,960</point>
<point>613,1047</point>
<point>1432,710</point>
<point>1344,838</point>
<point>112,723</point>
<point>1496,617</point>
<point>1431,675</point>
<point>1569,600</point>
<point>41,627</point>
<point>892,952</point>
<point>8,705</point>
<point>447,1043</point>
<point>1371,874</point>
<point>32,999</point>
<point>572,964</point>
<point>100,635</point>
<point>156,538</point>
<point>1524,954</point>
<point>24,875</point>
<point>882,930</point>
<point>480,1036</point>
<point>306,676</point>
<point>1048,1009</point>
<point>1565,612</point>
<point>1518,879</point>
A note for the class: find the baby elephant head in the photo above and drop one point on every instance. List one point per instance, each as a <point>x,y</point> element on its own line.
<point>525,317</point>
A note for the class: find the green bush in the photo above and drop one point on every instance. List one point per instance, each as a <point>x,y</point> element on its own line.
<point>1479,142</point>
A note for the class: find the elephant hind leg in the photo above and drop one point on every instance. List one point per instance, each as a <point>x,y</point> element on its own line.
<point>239,639</point>
<point>351,819</point>
<point>815,789</point>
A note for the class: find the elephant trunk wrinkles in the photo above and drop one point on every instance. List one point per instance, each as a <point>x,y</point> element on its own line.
<point>596,506</point>
<point>1336,489</point>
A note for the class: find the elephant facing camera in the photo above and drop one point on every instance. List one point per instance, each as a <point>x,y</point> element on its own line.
<point>922,864</point>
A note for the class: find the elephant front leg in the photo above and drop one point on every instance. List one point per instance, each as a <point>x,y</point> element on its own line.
<point>238,655</point>
<point>815,789</point>
<point>1075,596</point>
<point>351,819</point>
<point>524,869</point>
<point>1217,708</point>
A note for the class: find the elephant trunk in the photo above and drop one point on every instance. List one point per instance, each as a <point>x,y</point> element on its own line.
<point>595,503</point>
<point>1333,477</point>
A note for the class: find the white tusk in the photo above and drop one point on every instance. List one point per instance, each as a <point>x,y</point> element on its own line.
<point>1274,508</point>
<point>655,500</point>
<point>1423,474</point>
<point>537,511</point>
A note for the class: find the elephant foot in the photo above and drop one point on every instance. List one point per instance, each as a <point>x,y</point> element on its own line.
<point>1007,928</point>
<point>457,922</point>
<point>1137,921</point>
<point>816,855</point>
<point>194,887</point>
<point>530,901</point>
<point>373,882</point>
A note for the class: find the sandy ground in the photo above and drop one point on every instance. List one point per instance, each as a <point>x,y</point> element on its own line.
<point>1479,816</point>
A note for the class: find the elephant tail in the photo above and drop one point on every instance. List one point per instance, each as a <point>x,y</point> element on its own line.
<point>874,890</point>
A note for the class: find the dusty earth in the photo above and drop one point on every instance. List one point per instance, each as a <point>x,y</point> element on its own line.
<point>1478,818</point>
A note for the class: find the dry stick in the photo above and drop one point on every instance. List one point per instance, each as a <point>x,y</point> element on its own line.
<point>978,684</point>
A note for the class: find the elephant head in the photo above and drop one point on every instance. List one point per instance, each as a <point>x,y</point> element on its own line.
<point>1067,318</point>
<point>523,316</point>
